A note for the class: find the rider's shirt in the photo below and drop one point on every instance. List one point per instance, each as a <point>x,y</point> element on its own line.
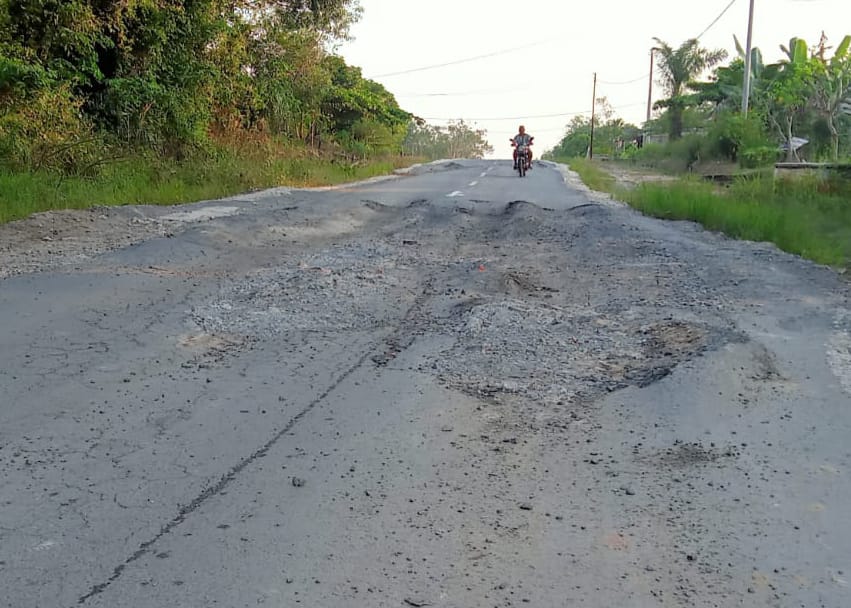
<point>522,139</point>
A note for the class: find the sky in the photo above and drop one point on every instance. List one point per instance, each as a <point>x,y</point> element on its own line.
<point>540,60</point>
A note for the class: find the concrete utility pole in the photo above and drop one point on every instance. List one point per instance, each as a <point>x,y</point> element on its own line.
<point>650,86</point>
<point>593,114</point>
<point>746,89</point>
<point>649,95</point>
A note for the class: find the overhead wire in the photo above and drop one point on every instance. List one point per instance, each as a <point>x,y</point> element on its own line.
<point>513,49</point>
<point>558,115</point>
<point>465,60</point>
<point>647,75</point>
<point>510,50</point>
<point>468,93</point>
<point>716,20</point>
<point>537,131</point>
<point>620,82</point>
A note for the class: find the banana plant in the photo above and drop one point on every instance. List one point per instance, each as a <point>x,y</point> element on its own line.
<point>724,91</point>
<point>833,90</point>
<point>797,52</point>
<point>790,92</point>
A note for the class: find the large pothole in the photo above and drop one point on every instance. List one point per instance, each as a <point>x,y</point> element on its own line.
<point>550,354</point>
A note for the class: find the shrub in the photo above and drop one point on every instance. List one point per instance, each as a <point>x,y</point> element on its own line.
<point>48,132</point>
<point>762,156</point>
<point>733,134</point>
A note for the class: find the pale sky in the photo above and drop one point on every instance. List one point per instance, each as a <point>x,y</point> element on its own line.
<point>565,42</point>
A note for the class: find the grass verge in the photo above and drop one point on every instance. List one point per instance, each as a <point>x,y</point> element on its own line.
<point>591,174</point>
<point>807,217</point>
<point>148,180</point>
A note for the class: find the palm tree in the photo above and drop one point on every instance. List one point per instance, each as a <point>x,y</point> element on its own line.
<point>678,68</point>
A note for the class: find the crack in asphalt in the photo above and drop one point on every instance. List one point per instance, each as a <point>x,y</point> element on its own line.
<point>231,475</point>
<point>217,488</point>
<point>401,338</point>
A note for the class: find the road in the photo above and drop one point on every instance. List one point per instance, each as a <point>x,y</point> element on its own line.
<point>451,388</point>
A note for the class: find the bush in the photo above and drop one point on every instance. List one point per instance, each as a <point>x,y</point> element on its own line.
<point>144,113</point>
<point>762,156</point>
<point>733,134</point>
<point>47,132</point>
<point>673,157</point>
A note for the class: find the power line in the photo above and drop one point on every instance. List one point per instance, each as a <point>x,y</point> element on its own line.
<point>559,115</point>
<point>537,131</point>
<point>465,60</point>
<point>709,27</point>
<point>512,117</point>
<point>467,93</point>
<point>639,78</point>
<point>717,19</point>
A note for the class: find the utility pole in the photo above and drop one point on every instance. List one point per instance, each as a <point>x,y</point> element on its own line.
<point>746,89</point>
<point>593,114</point>
<point>649,95</point>
<point>650,86</point>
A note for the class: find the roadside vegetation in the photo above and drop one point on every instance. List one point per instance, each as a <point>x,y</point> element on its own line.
<point>149,180</point>
<point>113,102</point>
<point>800,110</point>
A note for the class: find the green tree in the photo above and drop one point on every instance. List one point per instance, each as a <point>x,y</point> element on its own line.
<point>791,92</point>
<point>169,75</point>
<point>456,140</point>
<point>611,134</point>
<point>678,67</point>
<point>351,99</point>
<point>833,87</point>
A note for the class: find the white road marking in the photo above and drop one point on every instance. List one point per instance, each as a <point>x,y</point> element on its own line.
<point>473,183</point>
<point>455,194</point>
<point>485,174</point>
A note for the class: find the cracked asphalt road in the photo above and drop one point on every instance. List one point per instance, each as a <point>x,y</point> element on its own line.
<point>450,388</point>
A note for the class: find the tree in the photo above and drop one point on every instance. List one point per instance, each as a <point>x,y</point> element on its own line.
<point>608,131</point>
<point>790,92</point>
<point>457,140</point>
<point>678,68</point>
<point>351,99</point>
<point>169,75</point>
<point>833,87</point>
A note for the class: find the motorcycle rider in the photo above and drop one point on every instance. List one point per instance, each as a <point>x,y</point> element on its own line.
<point>522,139</point>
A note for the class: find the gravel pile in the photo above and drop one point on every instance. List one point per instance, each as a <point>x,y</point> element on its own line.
<point>349,288</point>
<point>545,353</point>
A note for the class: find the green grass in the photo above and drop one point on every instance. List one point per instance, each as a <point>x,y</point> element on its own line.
<point>591,174</point>
<point>809,218</point>
<point>153,181</point>
<point>800,218</point>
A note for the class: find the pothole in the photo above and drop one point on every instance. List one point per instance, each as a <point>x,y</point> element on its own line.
<point>550,354</point>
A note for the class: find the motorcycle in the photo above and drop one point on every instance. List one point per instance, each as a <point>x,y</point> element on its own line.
<point>521,157</point>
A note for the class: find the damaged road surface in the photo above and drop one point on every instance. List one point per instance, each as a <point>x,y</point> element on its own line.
<point>451,388</point>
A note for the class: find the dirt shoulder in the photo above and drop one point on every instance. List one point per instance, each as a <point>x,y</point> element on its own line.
<point>630,176</point>
<point>65,238</point>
